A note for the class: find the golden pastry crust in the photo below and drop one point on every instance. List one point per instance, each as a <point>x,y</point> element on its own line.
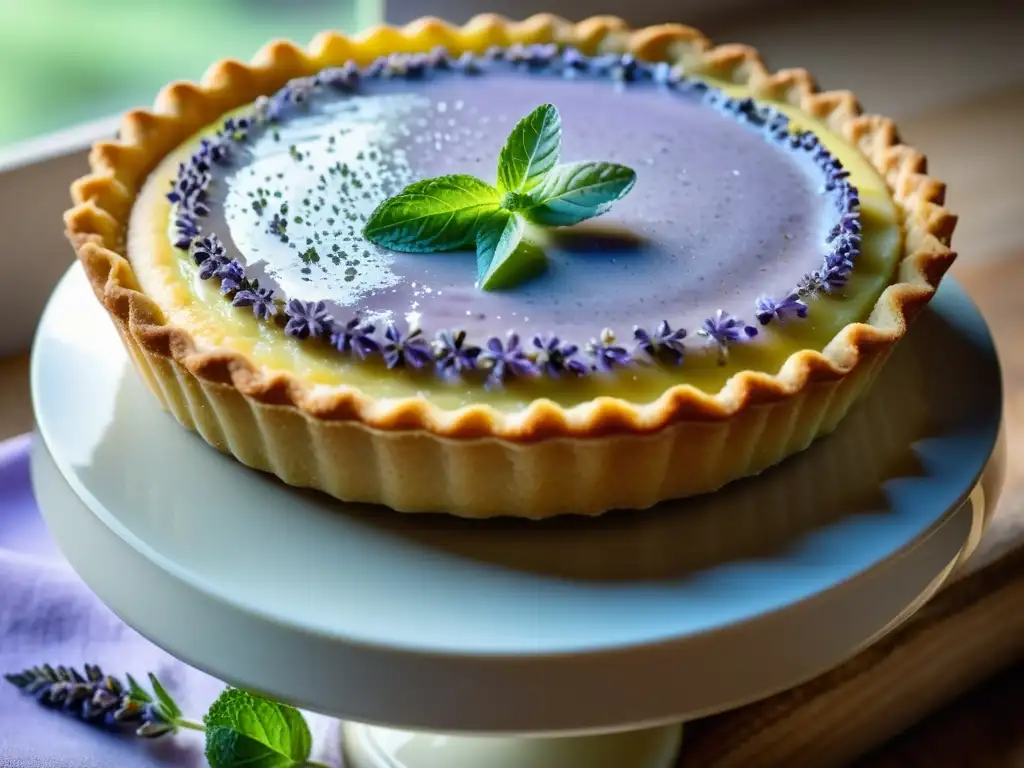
<point>213,391</point>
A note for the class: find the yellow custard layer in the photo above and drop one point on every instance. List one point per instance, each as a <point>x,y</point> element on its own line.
<point>172,281</point>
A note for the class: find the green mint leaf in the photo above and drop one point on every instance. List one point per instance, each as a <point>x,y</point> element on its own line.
<point>575,192</point>
<point>136,692</point>
<point>227,748</point>
<point>498,237</point>
<point>503,258</point>
<point>531,150</point>
<point>441,214</point>
<point>513,202</point>
<point>247,730</point>
<point>167,705</point>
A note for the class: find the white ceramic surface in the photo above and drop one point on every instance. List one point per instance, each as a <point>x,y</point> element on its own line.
<point>505,627</point>
<point>368,746</point>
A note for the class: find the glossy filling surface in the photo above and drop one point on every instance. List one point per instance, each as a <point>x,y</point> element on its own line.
<point>718,217</point>
<point>738,216</point>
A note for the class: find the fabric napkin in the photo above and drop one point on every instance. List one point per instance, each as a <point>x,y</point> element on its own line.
<point>970,630</point>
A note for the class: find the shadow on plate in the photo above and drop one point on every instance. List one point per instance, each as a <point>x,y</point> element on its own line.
<point>594,238</point>
<point>917,394</point>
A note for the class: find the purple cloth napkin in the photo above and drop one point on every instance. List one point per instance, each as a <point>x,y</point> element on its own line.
<point>47,615</point>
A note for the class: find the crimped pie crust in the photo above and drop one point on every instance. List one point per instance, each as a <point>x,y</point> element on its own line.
<point>477,461</point>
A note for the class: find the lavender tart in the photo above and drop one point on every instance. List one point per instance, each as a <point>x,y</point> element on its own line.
<point>520,269</point>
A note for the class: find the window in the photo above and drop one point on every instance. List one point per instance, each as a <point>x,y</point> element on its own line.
<point>69,61</point>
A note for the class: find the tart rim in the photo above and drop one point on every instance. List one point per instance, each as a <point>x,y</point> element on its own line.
<point>97,227</point>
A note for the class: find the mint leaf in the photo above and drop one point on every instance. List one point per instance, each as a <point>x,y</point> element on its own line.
<point>531,150</point>
<point>575,192</point>
<point>497,238</point>
<point>503,258</point>
<point>247,730</point>
<point>441,214</point>
<point>227,748</point>
<point>167,706</point>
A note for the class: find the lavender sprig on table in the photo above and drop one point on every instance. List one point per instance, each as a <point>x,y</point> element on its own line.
<point>104,700</point>
<point>241,729</point>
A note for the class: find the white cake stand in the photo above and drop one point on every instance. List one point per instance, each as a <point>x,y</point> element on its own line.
<point>595,637</point>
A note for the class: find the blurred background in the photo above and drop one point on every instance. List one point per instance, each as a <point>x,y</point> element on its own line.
<point>64,62</point>
<point>69,61</point>
<point>951,72</point>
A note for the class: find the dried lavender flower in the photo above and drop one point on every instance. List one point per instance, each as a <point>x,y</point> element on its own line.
<point>344,78</point>
<point>260,299</point>
<point>811,284</point>
<point>554,358</point>
<point>307,318</point>
<point>355,336</point>
<point>453,354</point>
<point>768,309</point>
<point>102,700</point>
<point>209,255</point>
<point>506,359</point>
<point>607,353</point>
<point>723,329</point>
<point>663,344</point>
<point>232,276</point>
<point>187,229</point>
<point>409,349</point>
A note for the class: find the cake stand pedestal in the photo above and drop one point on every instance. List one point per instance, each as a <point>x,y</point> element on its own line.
<point>572,643</point>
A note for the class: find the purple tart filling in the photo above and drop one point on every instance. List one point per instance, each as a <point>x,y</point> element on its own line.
<point>734,221</point>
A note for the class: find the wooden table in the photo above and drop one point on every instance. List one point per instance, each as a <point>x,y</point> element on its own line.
<point>985,727</point>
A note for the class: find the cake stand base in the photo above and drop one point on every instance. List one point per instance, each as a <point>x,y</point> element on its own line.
<point>368,746</point>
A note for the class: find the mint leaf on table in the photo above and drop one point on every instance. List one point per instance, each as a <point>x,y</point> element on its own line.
<point>247,730</point>
<point>442,214</point>
<point>575,192</point>
<point>531,150</point>
<point>459,211</point>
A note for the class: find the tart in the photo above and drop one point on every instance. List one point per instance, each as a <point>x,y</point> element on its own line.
<point>522,269</point>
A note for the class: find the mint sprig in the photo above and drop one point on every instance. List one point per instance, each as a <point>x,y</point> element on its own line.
<point>458,211</point>
<point>247,730</point>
